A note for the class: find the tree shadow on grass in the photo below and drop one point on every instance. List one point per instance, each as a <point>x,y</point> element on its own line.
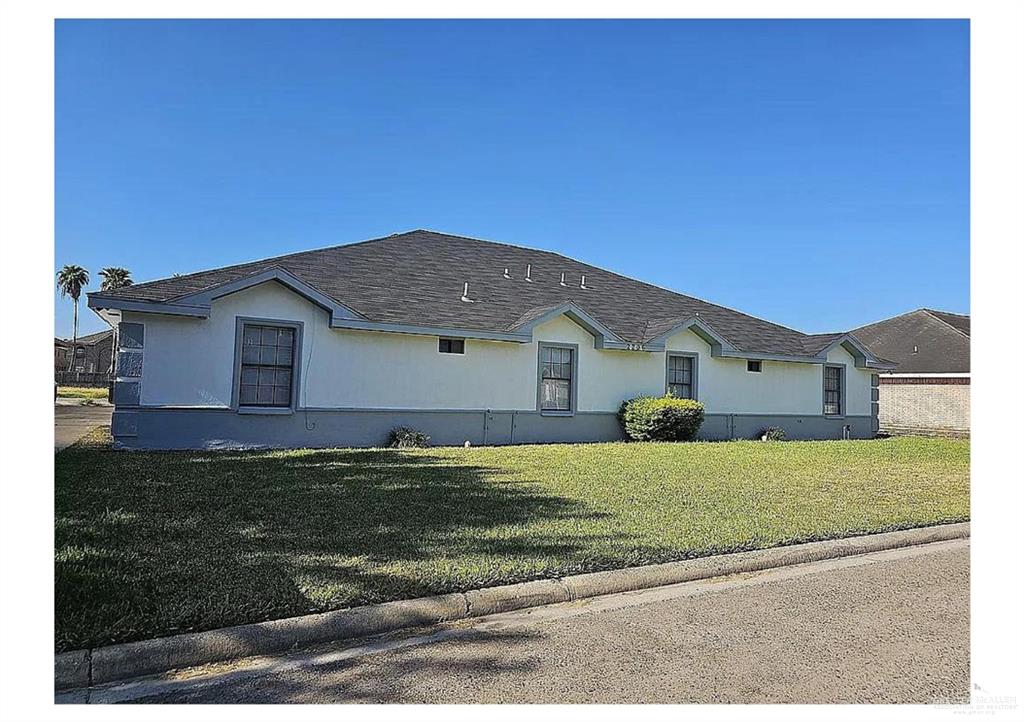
<point>151,544</point>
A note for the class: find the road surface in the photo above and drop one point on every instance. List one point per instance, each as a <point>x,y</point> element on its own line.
<point>885,627</point>
<point>73,422</point>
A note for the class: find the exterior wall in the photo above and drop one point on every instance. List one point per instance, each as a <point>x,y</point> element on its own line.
<point>931,405</point>
<point>355,385</point>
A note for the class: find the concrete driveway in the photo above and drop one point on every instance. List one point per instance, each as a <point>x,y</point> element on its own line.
<point>71,423</point>
<point>886,627</point>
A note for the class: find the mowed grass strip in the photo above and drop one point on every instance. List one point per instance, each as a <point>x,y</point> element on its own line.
<point>152,544</point>
<point>81,392</point>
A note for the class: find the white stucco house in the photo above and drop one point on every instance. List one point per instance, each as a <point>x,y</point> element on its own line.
<point>464,339</point>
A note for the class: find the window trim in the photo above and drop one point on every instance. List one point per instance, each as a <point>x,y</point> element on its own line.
<point>695,373</point>
<point>842,391</point>
<point>760,366</point>
<point>236,380</point>
<point>574,382</point>
<point>441,339</point>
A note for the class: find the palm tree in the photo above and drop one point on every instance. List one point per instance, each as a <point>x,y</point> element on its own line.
<point>115,277</point>
<point>71,280</point>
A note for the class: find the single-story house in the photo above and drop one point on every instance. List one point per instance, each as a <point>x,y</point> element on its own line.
<point>464,339</point>
<point>92,353</point>
<point>930,391</point>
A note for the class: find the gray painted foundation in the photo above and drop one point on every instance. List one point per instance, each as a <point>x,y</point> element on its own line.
<point>169,428</point>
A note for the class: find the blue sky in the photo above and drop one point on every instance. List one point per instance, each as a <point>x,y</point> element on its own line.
<point>815,173</point>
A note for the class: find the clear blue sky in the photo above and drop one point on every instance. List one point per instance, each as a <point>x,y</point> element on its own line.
<point>815,173</point>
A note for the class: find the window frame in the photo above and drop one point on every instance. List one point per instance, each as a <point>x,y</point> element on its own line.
<point>842,390</point>
<point>236,384</point>
<point>694,373</point>
<point>451,340</point>
<point>574,382</point>
<point>760,366</point>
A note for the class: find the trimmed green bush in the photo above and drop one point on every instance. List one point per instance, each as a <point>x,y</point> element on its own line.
<point>404,437</point>
<point>772,433</point>
<point>661,418</point>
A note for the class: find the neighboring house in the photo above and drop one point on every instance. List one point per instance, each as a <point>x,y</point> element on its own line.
<point>92,353</point>
<point>60,354</point>
<point>464,339</point>
<point>930,390</point>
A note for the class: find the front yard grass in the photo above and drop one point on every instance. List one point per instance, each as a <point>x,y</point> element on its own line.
<point>152,544</point>
<point>81,392</point>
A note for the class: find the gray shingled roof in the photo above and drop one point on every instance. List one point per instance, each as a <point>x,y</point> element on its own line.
<point>417,278</point>
<point>92,338</point>
<point>942,341</point>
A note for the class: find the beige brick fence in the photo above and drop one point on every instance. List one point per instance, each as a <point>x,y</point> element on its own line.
<point>924,405</point>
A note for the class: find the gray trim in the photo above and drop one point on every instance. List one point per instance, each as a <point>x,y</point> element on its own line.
<point>131,335</point>
<point>842,391</point>
<point>758,356</point>
<point>603,336</point>
<point>574,382</point>
<point>126,393</point>
<point>240,322</point>
<point>152,428</point>
<point>696,370</point>
<point>206,298</point>
<point>360,325</point>
<point>714,339</point>
<point>862,357</point>
<point>98,302</point>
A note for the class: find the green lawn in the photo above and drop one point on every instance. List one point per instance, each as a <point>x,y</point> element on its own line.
<point>81,392</point>
<point>151,544</point>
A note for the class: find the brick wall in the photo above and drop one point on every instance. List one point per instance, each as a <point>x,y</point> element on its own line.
<point>924,405</point>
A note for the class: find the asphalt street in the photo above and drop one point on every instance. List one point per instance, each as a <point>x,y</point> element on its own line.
<point>887,627</point>
<point>73,422</point>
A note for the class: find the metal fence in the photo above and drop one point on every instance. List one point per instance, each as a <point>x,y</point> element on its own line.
<point>81,378</point>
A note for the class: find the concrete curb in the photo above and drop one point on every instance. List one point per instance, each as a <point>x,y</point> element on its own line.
<point>81,668</point>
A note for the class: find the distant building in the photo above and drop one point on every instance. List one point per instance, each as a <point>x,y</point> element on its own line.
<point>92,353</point>
<point>930,390</point>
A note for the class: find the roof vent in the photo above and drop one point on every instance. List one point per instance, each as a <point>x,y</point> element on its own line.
<point>506,274</point>
<point>583,281</point>
<point>465,293</point>
<point>529,268</point>
<point>915,349</point>
<point>561,282</point>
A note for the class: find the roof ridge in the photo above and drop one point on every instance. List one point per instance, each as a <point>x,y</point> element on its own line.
<point>890,318</point>
<point>614,273</point>
<point>933,313</point>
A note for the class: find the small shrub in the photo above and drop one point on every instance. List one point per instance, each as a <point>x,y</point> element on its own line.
<point>772,433</point>
<point>664,418</point>
<point>404,437</point>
